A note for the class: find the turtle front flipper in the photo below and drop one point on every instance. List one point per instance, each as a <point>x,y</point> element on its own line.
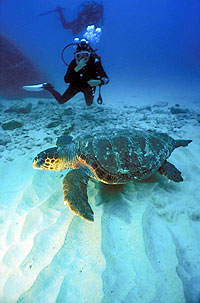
<point>75,193</point>
<point>170,171</point>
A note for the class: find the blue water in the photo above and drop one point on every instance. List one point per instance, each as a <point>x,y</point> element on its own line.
<point>143,43</point>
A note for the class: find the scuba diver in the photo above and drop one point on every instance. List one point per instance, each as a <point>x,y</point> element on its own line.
<point>89,12</point>
<point>85,72</point>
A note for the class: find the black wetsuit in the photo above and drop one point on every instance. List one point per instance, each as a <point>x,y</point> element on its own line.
<point>78,80</point>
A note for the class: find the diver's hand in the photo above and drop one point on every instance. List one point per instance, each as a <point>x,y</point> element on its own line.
<point>80,65</point>
<point>94,83</point>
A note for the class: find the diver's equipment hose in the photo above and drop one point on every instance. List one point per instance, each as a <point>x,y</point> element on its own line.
<point>62,53</point>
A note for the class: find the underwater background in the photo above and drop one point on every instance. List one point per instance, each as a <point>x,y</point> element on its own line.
<point>143,245</point>
<point>146,45</point>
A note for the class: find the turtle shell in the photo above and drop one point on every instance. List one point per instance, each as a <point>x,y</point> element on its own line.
<point>121,156</point>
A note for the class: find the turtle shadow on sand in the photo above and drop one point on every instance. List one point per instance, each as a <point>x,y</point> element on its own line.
<point>110,196</point>
<point>114,198</point>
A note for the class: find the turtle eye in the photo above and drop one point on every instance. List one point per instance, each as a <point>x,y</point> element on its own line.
<point>36,164</point>
<point>39,162</point>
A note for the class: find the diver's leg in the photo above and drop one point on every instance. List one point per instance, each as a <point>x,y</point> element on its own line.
<point>68,94</point>
<point>65,23</point>
<point>88,94</point>
<point>54,92</point>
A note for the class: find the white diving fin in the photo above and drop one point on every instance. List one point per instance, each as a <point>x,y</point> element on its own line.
<point>34,88</point>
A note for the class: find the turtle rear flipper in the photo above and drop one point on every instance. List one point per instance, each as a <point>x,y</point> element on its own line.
<point>75,193</point>
<point>170,171</point>
<point>182,143</point>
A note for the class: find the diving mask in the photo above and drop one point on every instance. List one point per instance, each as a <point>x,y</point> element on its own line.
<point>82,55</point>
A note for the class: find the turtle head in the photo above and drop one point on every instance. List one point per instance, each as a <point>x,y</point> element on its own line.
<point>52,159</point>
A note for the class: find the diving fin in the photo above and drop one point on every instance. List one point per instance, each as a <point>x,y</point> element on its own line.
<point>52,11</point>
<point>34,88</point>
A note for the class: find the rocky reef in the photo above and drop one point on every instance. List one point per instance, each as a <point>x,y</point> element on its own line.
<point>17,70</point>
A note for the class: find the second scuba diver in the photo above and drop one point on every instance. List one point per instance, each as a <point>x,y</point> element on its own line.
<point>84,74</point>
<point>89,12</point>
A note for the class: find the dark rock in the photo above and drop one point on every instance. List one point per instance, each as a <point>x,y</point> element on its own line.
<point>198,118</point>
<point>160,104</point>
<point>20,110</point>
<point>178,110</point>
<point>25,110</point>
<point>9,159</point>
<point>68,130</point>
<point>17,70</point>
<point>11,125</point>
<point>87,117</point>
<point>5,140</point>
<point>48,140</point>
<point>53,124</point>
<point>68,111</point>
<point>159,111</point>
<point>145,108</point>
<point>56,132</point>
<point>41,102</point>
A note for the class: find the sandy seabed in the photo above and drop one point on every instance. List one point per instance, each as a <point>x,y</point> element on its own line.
<point>144,243</point>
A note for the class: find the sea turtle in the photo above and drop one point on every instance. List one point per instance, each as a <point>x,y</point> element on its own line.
<point>114,157</point>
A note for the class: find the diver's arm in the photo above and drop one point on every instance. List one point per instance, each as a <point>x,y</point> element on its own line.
<point>101,73</point>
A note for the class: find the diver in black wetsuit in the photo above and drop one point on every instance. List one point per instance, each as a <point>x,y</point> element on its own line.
<point>84,73</point>
<point>89,13</point>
